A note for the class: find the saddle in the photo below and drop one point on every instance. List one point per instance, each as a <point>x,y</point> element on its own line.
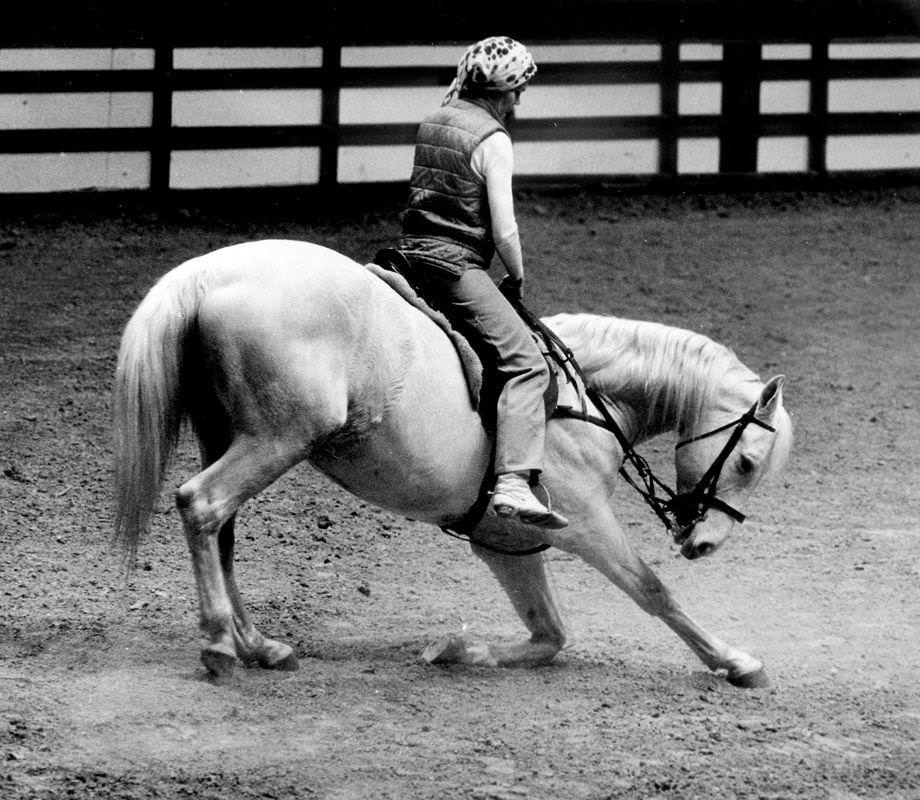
<point>391,266</point>
<point>393,271</point>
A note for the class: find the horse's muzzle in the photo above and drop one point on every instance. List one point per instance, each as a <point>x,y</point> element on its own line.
<point>692,551</point>
<point>682,529</point>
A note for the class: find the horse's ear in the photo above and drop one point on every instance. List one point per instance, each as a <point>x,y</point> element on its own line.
<point>771,397</point>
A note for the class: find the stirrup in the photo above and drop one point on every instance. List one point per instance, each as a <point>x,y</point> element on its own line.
<point>543,517</point>
<point>550,520</point>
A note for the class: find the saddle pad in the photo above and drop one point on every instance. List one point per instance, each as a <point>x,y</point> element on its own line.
<point>472,366</point>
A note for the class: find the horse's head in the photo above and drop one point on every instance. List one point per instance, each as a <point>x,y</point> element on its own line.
<point>720,459</point>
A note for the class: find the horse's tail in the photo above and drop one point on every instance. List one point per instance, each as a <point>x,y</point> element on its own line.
<point>148,404</point>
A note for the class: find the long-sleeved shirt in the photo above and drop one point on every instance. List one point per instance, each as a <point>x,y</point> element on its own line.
<point>493,162</point>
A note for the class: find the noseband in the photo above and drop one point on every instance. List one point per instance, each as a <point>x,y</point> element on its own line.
<point>694,504</point>
<point>678,512</point>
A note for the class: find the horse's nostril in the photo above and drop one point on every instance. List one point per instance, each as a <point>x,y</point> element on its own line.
<point>704,549</point>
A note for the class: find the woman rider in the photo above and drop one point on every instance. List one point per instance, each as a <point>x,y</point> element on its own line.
<point>460,213</point>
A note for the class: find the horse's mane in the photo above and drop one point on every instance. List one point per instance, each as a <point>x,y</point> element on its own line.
<point>664,372</point>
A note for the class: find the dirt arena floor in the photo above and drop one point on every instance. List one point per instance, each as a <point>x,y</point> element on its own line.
<point>101,691</point>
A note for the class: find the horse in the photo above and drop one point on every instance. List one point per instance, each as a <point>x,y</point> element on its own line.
<point>278,352</point>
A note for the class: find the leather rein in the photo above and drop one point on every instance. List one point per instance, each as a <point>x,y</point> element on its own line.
<point>678,512</point>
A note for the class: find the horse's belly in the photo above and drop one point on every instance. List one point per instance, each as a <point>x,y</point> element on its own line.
<point>429,468</point>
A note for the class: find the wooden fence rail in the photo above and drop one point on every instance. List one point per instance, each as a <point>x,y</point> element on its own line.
<point>739,125</point>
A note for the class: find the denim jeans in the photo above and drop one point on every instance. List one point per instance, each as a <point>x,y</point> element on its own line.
<point>474,304</point>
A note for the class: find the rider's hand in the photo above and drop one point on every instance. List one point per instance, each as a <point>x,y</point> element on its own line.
<point>512,288</point>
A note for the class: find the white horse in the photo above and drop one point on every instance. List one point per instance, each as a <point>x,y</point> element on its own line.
<point>280,351</point>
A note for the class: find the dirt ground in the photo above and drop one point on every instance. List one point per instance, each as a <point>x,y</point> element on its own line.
<point>101,691</point>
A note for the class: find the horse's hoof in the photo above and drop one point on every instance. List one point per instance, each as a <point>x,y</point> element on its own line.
<point>448,650</point>
<point>219,665</point>
<point>756,679</point>
<point>287,664</point>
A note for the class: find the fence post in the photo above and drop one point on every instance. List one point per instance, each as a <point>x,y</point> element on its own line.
<point>818,108</point>
<point>740,107</point>
<point>331,82</point>
<point>161,122</point>
<point>670,112</point>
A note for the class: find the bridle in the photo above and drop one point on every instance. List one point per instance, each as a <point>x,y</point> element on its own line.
<point>700,498</point>
<point>678,512</point>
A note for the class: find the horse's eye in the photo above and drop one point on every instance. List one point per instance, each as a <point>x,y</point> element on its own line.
<point>745,465</point>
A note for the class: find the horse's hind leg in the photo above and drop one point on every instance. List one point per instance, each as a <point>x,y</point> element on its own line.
<point>252,647</point>
<point>524,580</point>
<point>207,504</point>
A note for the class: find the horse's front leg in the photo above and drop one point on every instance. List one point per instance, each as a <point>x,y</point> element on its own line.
<point>741,669</point>
<point>524,580</point>
<point>605,547</point>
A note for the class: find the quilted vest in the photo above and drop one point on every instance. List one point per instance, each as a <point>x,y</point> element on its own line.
<point>447,217</point>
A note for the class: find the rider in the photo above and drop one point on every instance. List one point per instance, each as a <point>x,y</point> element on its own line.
<point>460,213</point>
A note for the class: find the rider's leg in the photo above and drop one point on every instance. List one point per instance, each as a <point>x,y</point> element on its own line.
<point>476,304</point>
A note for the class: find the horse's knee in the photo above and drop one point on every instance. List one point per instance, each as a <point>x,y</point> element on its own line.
<point>654,597</point>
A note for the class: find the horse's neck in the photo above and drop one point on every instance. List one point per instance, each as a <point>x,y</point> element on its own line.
<point>657,377</point>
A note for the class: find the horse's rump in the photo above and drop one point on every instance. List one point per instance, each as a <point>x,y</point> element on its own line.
<point>294,341</point>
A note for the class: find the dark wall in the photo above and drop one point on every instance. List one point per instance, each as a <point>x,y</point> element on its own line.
<point>109,22</point>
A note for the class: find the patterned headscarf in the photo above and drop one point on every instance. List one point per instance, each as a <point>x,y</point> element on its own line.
<point>498,62</point>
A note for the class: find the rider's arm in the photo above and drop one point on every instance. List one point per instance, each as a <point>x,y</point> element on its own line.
<point>494,161</point>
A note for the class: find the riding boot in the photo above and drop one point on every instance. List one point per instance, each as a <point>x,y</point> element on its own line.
<point>512,498</point>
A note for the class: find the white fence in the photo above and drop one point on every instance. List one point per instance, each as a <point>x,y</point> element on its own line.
<point>203,118</point>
